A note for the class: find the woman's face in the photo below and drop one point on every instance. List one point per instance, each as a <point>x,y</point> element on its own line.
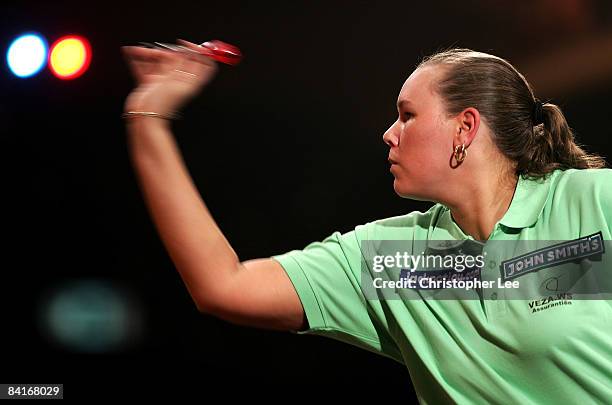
<point>420,140</point>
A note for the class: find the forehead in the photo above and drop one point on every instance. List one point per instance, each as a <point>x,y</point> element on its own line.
<point>418,88</point>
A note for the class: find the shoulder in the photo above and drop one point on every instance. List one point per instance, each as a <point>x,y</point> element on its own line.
<point>585,178</point>
<point>586,193</point>
<point>591,183</point>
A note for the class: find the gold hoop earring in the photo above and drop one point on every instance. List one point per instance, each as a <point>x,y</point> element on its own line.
<point>460,153</point>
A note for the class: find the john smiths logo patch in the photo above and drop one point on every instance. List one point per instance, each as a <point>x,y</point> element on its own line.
<point>553,255</point>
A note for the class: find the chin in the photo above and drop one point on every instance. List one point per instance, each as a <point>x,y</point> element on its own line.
<point>401,189</point>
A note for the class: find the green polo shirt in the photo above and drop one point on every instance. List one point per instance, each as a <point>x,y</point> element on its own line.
<point>541,349</point>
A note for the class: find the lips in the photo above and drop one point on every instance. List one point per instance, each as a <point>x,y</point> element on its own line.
<point>391,161</point>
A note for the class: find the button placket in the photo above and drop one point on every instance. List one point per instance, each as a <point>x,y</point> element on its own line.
<point>495,302</point>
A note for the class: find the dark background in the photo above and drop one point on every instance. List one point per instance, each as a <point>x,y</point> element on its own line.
<point>285,148</point>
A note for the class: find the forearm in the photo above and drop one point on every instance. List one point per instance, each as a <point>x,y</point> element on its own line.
<point>196,245</point>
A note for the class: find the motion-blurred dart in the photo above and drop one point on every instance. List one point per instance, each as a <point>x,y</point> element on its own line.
<point>217,50</point>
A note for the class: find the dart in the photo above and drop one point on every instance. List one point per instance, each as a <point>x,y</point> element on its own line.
<point>215,49</point>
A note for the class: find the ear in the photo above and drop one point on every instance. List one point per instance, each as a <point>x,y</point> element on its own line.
<point>466,128</point>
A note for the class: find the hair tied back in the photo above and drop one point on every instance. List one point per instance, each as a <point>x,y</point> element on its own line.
<point>538,112</point>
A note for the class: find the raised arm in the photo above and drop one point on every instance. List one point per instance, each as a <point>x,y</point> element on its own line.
<point>256,292</point>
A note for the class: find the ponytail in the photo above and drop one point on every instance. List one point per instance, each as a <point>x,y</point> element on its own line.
<point>554,147</point>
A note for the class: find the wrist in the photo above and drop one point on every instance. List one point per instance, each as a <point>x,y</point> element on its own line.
<point>143,123</point>
<point>143,118</point>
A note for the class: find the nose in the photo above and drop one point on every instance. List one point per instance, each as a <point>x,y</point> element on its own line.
<point>390,137</point>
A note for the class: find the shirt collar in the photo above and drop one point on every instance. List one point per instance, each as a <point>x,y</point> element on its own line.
<point>528,202</point>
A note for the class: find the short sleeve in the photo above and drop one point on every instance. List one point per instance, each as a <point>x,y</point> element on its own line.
<point>326,277</point>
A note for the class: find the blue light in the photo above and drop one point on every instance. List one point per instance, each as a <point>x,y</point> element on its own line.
<point>27,55</point>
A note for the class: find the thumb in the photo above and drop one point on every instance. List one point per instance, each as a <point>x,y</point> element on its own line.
<point>190,45</point>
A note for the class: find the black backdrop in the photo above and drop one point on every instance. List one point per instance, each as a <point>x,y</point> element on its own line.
<point>285,148</point>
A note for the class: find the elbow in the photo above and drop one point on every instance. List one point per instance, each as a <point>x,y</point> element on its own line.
<point>203,306</point>
<point>203,309</point>
<point>213,301</point>
<point>207,305</point>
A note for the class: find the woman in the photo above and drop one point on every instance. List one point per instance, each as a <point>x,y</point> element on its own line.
<point>523,179</point>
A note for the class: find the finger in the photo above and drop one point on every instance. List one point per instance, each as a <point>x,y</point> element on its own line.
<point>175,57</point>
<point>198,69</point>
<point>199,54</point>
<point>188,44</point>
<point>134,61</point>
<point>142,53</point>
<point>140,60</point>
<point>147,61</point>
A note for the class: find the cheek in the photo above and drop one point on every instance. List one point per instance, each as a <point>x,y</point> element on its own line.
<point>423,149</point>
<point>425,154</point>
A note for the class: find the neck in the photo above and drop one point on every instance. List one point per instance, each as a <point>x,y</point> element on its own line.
<point>482,203</point>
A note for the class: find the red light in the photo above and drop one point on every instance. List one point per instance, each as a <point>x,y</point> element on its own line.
<point>69,57</point>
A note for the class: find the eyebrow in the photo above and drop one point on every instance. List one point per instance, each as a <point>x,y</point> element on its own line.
<point>400,102</point>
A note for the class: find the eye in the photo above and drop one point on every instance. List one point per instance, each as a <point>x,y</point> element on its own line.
<point>407,115</point>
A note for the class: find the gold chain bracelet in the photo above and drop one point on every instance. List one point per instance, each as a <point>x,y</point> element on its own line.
<point>135,114</point>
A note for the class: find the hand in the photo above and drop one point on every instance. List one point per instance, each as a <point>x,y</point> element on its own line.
<point>166,80</point>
